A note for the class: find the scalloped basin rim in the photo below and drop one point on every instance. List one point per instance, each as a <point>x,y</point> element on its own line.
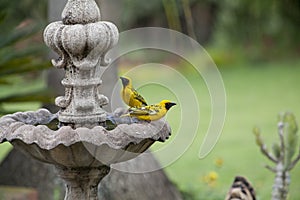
<point>118,138</point>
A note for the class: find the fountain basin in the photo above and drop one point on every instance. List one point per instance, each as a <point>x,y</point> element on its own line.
<point>80,147</point>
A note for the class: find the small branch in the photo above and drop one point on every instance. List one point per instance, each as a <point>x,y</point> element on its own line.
<point>270,168</point>
<point>294,162</point>
<point>267,154</point>
<point>282,145</point>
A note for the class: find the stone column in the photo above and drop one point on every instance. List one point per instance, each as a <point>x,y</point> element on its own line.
<point>82,183</point>
<point>81,40</point>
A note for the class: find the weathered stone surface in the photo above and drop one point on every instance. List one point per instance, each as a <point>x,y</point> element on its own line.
<point>82,183</point>
<point>81,12</point>
<point>79,150</point>
<point>81,146</point>
<point>81,41</point>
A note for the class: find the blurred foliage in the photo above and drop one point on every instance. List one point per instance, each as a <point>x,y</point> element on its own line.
<point>22,53</point>
<point>185,16</point>
<point>13,12</point>
<point>138,12</point>
<point>247,20</point>
<point>263,28</point>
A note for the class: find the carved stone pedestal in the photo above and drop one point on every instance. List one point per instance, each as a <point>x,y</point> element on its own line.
<point>82,183</point>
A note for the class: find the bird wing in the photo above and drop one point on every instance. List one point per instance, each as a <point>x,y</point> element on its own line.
<point>138,97</point>
<point>142,111</point>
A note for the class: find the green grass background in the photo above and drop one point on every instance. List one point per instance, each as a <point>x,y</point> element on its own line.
<point>256,94</point>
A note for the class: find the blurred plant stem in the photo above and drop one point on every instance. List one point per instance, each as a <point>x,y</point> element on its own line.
<point>282,155</point>
<point>188,18</point>
<point>172,14</point>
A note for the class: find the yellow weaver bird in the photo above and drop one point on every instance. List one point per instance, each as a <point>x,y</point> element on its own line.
<point>151,112</point>
<point>130,96</point>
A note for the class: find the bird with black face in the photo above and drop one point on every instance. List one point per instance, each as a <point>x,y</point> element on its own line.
<point>151,112</point>
<point>130,96</point>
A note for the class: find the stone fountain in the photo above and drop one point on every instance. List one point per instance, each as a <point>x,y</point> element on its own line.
<point>82,148</point>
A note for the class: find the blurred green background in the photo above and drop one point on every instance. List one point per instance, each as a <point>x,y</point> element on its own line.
<point>255,44</point>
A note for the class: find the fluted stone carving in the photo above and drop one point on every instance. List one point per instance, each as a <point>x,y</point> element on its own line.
<point>81,40</point>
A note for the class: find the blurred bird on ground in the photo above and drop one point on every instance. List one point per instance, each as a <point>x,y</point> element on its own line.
<point>241,189</point>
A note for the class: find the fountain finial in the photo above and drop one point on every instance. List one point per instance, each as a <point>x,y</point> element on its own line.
<point>80,12</point>
<point>81,40</point>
